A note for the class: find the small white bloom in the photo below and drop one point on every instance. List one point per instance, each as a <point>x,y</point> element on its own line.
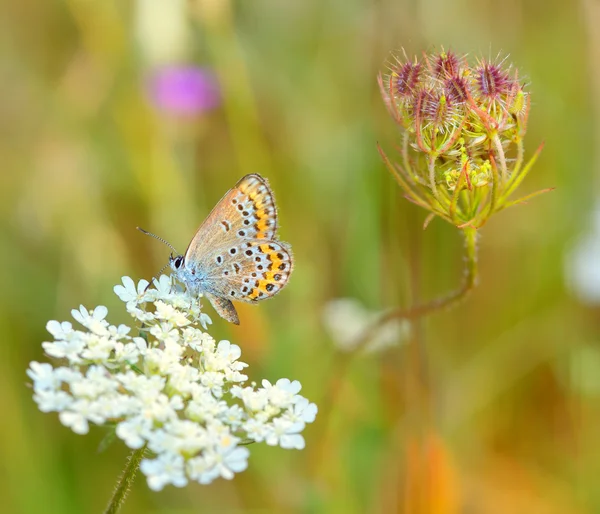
<point>165,332</point>
<point>119,332</point>
<point>199,469</point>
<point>128,291</point>
<point>285,434</point>
<point>232,416</point>
<point>130,352</point>
<point>183,379</point>
<point>166,469</point>
<point>134,431</point>
<point>52,401</point>
<point>93,320</point>
<point>282,393</point>
<point>226,461</point>
<point>205,320</point>
<point>43,376</point>
<point>69,350</point>
<point>214,381</point>
<point>168,313</point>
<point>198,340</point>
<point>256,429</point>
<point>60,330</point>
<point>253,400</point>
<point>162,288</point>
<point>142,385</point>
<point>303,411</point>
<point>98,348</point>
<point>204,407</point>
<point>75,421</point>
<point>139,314</point>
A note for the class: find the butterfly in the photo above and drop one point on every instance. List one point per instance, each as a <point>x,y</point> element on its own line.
<point>235,254</point>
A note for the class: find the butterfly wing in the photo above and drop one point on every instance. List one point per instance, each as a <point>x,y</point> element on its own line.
<point>257,270</point>
<point>236,251</point>
<point>224,308</point>
<point>247,211</point>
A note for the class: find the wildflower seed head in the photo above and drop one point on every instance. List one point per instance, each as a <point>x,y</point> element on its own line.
<point>406,78</point>
<point>447,65</point>
<point>492,82</point>
<point>438,112</point>
<point>462,127</point>
<point>457,89</point>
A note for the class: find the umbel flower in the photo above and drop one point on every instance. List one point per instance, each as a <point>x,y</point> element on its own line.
<point>463,127</point>
<point>173,390</point>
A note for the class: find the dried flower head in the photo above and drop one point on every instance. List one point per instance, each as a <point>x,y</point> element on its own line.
<point>463,129</point>
<point>174,389</point>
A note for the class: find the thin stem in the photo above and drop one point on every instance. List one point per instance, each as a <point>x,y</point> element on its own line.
<point>343,359</point>
<point>501,158</point>
<point>495,187</point>
<point>519,160</point>
<point>425,309</point>
<point>431,165</point>
<point>125,481</point>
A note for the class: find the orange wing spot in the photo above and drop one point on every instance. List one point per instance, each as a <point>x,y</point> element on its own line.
<point>259,202</point>
<point>268,287</point>
<point>262,228</point>
<point>275,262</point>
<point>261,213</point>
<point>262,288</point>
<point>244,189</point>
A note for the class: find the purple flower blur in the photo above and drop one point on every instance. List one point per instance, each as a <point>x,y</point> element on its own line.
<point>184,90</point>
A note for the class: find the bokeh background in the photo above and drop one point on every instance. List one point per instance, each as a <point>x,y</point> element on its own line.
<point>504,418</point>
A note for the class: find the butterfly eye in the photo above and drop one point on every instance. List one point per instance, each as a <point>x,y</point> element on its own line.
<point>178,262</point>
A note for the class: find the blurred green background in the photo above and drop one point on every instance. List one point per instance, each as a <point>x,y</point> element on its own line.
<point>507,418</point>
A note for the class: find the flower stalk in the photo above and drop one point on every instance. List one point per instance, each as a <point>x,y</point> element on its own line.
<point>125,481</point>
<point>344,359</point>
<point>425,309</point>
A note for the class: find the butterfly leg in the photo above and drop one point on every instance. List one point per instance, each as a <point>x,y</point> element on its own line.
<point>224,308</point>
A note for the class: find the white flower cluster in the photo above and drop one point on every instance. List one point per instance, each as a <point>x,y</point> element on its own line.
<point>174,390</point>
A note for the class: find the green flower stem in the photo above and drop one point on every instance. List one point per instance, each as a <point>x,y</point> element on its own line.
<point>425,309</point>
<point>343,359</point>
<point>432,185</point>
<point>501,158</point>
<point>125,481</point>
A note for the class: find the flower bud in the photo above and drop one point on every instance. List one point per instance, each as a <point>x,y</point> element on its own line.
<point>463,129</point>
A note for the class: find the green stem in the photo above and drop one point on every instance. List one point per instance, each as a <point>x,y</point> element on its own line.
<point>501,158</point>
<point>425,309</point>
<point>432,184</point>
<point>343,360</point>
<point>125,481</point>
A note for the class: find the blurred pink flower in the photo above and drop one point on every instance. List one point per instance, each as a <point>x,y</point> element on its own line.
<point>184,90</point>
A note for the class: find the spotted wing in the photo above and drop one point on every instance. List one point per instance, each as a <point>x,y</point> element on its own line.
<point>256,270</point>
<point>247,211</point>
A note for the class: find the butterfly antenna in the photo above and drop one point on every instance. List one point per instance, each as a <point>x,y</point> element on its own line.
<point>159,238</point>
<point>157,276</point>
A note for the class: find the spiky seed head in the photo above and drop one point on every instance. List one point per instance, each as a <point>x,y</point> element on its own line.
<point>462,124</point>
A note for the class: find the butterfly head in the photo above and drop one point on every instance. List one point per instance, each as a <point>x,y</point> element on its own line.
<point>176,262</point>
